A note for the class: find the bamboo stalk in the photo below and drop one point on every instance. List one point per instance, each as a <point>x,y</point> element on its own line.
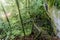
<point>20,16</point>
<point>6,16</point>
<point>8,35</point>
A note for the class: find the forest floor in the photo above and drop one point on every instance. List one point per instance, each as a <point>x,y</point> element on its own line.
<point>31,37</point>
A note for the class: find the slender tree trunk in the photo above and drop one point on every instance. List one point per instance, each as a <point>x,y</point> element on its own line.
<point>20,16</point>
<point>7,37</point>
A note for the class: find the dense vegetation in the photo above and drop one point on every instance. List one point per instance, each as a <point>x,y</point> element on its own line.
<point>21,18</point>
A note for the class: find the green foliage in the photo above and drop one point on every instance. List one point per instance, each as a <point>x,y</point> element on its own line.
<point>15,22</point>
<point>50,2</point>
<point>34,9</point>
<point>57,4</point>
